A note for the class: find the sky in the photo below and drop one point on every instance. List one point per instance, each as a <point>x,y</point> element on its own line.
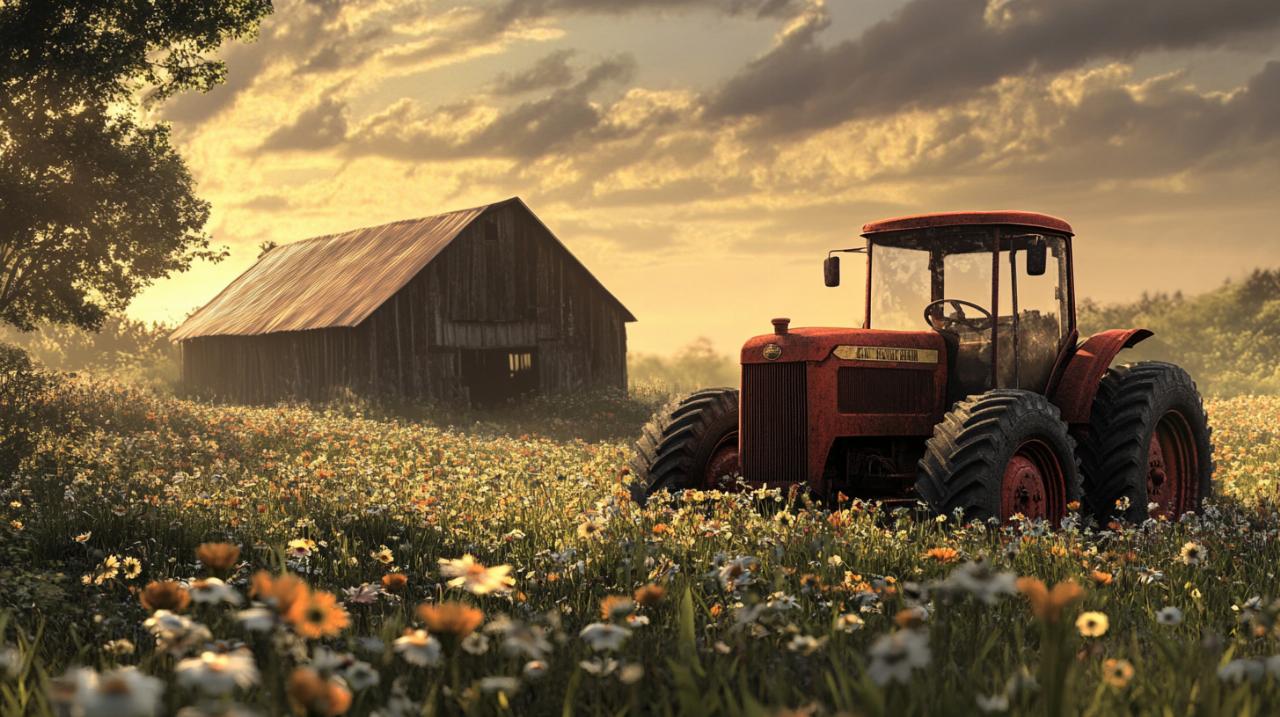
<point>701,156</point>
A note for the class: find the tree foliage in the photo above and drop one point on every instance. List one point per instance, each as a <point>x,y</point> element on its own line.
<point>1228,339</point>
<point>96,204</point>
<point>694,366</point>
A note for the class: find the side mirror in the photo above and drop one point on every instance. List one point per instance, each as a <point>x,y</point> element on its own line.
<point>831,271</point>
<point>1037,257</point>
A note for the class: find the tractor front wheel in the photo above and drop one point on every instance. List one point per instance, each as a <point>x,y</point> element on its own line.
<point>1000,454</point>
<point>1147,452</point>
<point>691,443</point>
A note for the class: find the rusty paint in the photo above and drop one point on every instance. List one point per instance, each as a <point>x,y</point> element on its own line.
<point>814,348</point>
<point>1074,393</point>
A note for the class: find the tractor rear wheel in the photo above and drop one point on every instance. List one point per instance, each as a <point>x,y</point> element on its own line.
<point>691,443</point>
<point>1148,443</point>
<point>999,454</point>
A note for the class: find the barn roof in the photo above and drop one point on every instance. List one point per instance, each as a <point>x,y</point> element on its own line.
<point>336,280</point>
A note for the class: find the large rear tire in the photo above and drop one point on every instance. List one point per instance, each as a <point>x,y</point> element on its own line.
<point>1148,442</point>
<point>999,454</point>
<point>691,443</point>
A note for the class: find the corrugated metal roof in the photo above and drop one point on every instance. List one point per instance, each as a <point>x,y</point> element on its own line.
<point>338,279</point>
<point>334,280</point>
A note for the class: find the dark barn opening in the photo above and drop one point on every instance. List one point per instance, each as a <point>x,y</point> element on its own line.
<point>478,306</point>
<point>496,376</point>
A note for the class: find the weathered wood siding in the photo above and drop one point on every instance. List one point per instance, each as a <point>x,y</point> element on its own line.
<point>503,283</point>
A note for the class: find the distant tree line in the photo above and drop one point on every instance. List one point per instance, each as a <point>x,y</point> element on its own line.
<point>126,349</point>
<point>1228,338</point>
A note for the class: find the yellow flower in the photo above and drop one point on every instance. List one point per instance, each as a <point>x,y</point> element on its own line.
<point>1192,553</point>
<point>301,547</point>
<point>1117,673</point>
<point>1092,624</point>
<point>383,555</point>
<point>132,567</point>
<point>475,578</point>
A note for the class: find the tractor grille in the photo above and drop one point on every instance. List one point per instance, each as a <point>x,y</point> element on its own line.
<point>774,423</point>
<point>884,390</point>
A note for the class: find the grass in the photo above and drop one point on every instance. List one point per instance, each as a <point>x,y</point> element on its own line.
<point>748,603</point>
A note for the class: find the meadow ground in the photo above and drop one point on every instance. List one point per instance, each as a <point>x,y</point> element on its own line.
<point>158,553</point>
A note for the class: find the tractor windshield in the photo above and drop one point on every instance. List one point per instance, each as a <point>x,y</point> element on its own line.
<point>987,304</point>
<point>911,272</point>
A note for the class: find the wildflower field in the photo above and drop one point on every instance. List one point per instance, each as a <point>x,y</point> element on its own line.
<point>159,556</point>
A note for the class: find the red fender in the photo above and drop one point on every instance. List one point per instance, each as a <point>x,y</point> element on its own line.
<point>1074,393</point>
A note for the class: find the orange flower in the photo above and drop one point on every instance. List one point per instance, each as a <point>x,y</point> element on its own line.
<point>616,606</point>
<point>317,615</point>
<point>650,594</point>
<point>281,592</point>
<point>660,528</point>
<point>165,595</point>
<point>1047,604</point>
<point>450,618</point>
<point>309,692</point>
<point>1058,551</point>
<point>394,582</point>
<point>910,618</point>
<point>1101,577</point>
<point>1117,673</point>
<point>943,555</point>
<point>218,557</point>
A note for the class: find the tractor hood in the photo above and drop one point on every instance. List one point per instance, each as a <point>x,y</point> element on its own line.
<point>862,345</point>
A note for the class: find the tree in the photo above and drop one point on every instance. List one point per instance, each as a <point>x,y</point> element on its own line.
<point>95,204</point>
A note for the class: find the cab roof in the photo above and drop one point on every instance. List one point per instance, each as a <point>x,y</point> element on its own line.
<point>953,219</point>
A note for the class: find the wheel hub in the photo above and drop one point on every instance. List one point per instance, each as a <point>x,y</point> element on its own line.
<point>1033,484</point>
<point>1171,466</point>
<point>723,462</point>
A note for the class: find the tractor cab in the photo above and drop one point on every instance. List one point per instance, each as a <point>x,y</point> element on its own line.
<point>996,286</point>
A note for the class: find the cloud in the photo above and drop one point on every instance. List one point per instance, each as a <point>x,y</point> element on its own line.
<point>319,127</point>
<point>932,53</point>
<point>567,117</point>
<point>468,29</point>
<point>266,203</point>
<point>514,9</point>
<point>551,71</point>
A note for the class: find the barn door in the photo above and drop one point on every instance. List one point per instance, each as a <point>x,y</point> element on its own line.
<point>496,376</point>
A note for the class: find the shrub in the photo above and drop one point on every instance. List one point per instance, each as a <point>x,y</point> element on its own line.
<point>21,385</point>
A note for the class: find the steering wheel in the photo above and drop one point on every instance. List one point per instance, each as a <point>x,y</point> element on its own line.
<point>958,317</point>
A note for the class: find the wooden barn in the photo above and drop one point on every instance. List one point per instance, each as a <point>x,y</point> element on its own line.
<point>480,305</point>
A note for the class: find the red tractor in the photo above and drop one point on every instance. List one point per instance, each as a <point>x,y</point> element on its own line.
<point>967,388</point>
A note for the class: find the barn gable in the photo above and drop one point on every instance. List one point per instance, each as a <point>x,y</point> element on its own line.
<point>335,280</point>
<point>479,304</point>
